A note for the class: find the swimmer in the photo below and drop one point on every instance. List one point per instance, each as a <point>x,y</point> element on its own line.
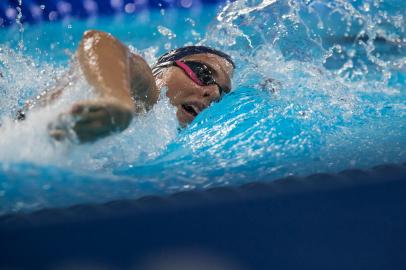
<point>195,77</point>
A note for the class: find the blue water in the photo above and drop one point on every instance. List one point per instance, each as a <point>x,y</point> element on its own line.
<point>320,87</point>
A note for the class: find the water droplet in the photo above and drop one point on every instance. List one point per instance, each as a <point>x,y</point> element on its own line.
<point>191,21</point>
<point>167,46</point>
<point>166,32</point>
<point>351,53</point>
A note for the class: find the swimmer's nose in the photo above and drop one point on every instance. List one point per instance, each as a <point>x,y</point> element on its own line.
<point>212,92</point>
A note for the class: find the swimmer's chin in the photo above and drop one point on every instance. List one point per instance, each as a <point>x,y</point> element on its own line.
<point>184,119</point>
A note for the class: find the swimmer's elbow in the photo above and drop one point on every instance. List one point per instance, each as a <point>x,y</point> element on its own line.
<point>93,33</point>
<point>91,37</point>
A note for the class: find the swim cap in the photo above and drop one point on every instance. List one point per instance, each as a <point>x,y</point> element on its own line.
<point>179,53</point>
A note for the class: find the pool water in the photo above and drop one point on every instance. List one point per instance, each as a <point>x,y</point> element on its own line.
<point>320,87</point>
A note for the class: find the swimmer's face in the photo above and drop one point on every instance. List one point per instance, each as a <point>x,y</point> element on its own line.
<point>191,98</point>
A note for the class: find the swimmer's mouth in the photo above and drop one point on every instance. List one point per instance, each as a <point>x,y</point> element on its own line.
<point>191,109</point>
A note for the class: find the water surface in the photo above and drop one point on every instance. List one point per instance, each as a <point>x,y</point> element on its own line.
<point>320,87</point>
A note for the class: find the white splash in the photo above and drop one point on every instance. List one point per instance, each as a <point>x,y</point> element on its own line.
<point>28,140</point>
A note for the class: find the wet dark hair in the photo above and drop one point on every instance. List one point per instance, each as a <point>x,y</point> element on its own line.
<point>166,59</point>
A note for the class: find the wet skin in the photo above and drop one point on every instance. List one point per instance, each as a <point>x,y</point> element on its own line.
<point>124,81</point>
<point>190,98</point>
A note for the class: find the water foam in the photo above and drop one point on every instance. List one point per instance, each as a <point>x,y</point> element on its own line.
<point>28,141</point>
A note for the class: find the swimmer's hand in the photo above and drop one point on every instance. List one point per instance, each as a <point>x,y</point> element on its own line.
<point>91,120</point>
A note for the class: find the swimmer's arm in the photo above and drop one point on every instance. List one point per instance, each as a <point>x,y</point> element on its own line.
<point>122,80</point>
<point>115,72</point>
